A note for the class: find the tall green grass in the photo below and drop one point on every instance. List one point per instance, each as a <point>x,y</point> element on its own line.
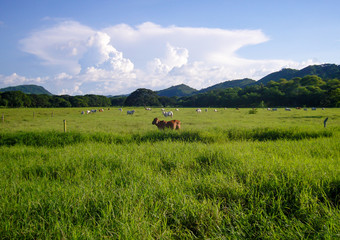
<point>56,139</point>
<point>261,190</point>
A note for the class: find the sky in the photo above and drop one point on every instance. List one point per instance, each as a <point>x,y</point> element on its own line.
<point>113,47</point>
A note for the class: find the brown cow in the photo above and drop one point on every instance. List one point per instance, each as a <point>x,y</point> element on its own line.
<point>173,124</point>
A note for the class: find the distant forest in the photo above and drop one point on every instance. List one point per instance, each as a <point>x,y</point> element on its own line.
<point>308,91</point>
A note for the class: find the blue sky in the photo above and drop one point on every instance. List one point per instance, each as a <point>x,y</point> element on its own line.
<point>114,47</point>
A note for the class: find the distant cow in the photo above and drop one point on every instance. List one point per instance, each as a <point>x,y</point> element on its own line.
<point>198,110</point>
<point>168,114</point>
<point>130,112</point>
<point>172,124</point>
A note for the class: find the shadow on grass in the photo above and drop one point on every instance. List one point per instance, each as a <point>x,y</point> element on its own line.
<point>60,139</point>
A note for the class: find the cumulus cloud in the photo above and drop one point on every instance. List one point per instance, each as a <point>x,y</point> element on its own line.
<point>101,54</point>
<point>60,45</point>
<point>121,58</point>
<point>15,79</point>
<point>174,57</point>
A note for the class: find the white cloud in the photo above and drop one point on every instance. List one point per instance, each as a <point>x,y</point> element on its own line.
<point>61,45</point>
<point>174,57</point>
<point>122,58</point>
<point>15,79</point>
<point>101,54</point>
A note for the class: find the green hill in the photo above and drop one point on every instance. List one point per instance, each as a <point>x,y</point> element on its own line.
<point>229,84</point>
<point>181,90</point>
<point>325,71</point>
<point>27,89</point>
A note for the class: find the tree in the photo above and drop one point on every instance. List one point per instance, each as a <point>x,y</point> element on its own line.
<point>16,99</point>
<point>142,97</point>
<point>40,100</point>
<point>312,80</point>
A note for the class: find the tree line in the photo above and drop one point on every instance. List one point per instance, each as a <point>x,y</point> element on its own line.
<point>309,91</point>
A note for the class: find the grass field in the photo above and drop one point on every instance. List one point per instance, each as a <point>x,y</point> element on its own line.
<point>224,175</point>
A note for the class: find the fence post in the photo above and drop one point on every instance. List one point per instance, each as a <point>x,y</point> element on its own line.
<point>64,126</point>
<point>52,114</point>
<point>3,118</point>
<point>33,114</point>
<point>325,122</point>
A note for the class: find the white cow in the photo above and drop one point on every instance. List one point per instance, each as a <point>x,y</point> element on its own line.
<point>168,114</point>
<point>198,110</point>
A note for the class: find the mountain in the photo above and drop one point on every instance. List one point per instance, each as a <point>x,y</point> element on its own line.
<point>325,71</point>
<point>286,73</point>
<point>229,84</point>
<point>27,89</point>
<point>181,90</point>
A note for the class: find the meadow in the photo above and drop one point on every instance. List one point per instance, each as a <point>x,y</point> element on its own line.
<point>225,175</point>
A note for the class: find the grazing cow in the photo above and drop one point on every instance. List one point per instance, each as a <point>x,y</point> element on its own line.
<point>206,110</point>
<point>287,109</point>
<point>120,109</point>
<point>94,110</point>
<point>148,109</point>
<point>237,109</point>
<point>198,110</point>
<point>130,112</point>
<point>177,109</point>
<point>88,111</point>
<point>269,109</point>
<point>172,124</point>
<point>82,112</point>
<point>274,109</point>
<point>168,114</point>
<point>313,108</point>
<point>101,110</point>
<point>215,110</point>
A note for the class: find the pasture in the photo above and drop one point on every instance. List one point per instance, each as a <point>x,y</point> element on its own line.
<point>224,175</point>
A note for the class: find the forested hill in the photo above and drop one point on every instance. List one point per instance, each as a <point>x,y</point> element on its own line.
<point>27,89</point>
<point>324,71</point>
<point>241,83</point>
<point>178,91</point>
<point>308,91</point>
